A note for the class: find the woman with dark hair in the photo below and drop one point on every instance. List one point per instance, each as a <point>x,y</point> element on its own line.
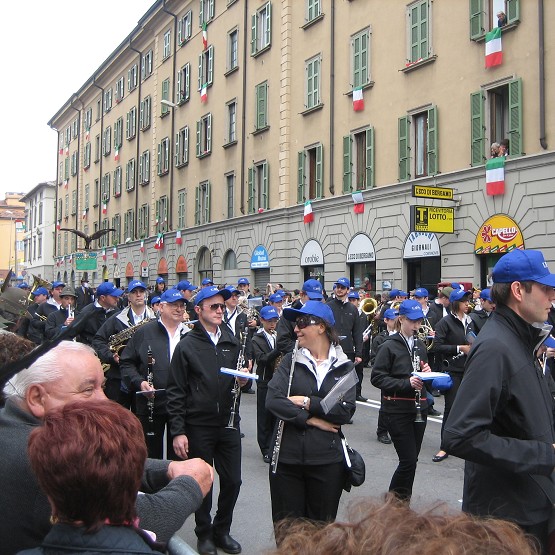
<point>454,335</point>
<point>88,458</point>
<point>308,481</point>
<point>403,400</point>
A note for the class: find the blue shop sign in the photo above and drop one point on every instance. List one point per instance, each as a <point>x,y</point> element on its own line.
<point>260,258</point>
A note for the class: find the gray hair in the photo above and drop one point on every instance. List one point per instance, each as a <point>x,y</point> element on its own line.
<point>47,368</point>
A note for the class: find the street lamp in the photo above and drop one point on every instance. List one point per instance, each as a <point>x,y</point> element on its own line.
<point>168,103</point>
<point>14,243</point>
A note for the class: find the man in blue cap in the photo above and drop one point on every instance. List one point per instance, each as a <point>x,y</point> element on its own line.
<point>159,287</point>
<point>501,422</point>
<point>186,288</point>
<point>243,286</point>
<point>481,315</point>
<point>51,305</point>
<point>275,300</point>
<point>206,282</point>
<point>204,413</point>
<point>30,327</point>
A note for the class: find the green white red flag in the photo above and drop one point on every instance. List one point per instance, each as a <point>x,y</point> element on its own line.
<point>495,176</point>
<point>494,49</point>
<point>358,100</point>
<point>308,214</point>
<point>159,244</point>
<point>359,203</point>
<point>204,93</point>
<point>204,36</point>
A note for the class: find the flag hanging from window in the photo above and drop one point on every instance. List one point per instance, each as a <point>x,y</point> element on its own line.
<point>87,135</point>
<point>204,36</point>
<point>142,247</point>
<point>103,254</point>
<point>159,244</point>
<point>104,208</point>
<point>495,176</point>
<point>58,225</point>
<point>308,214</point>
<point>115,252</point>
<point>61,151</point>
<point>358,100</point>
<point>204,93</point>
<point>494,50</point>
<point>178,239</point>
<point>66,182</point>
<point>84,214</point>
<point>359,203</point>
<point>116,154</point>
<point>67,150</point>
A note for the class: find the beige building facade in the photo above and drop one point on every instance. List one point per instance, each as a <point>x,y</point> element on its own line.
<point>208,145</point>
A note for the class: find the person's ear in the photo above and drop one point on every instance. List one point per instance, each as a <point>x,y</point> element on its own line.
<point>36,399</point>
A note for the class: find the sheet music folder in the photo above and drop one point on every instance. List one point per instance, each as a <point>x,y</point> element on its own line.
<point>338,391</point>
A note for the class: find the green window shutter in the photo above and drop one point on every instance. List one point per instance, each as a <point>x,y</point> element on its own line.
<point>363,58</point>
<point>176,154</point>
<point>254,30</point>
<point>476,19</point>
<point>187,81</point>
<point>210,64</point>
<point>347,168</point>
<point>158,222</point>
<point>179,87</point>
<point>513,11</point>
<point>167,155</point>
<point>265,185</point>
<point>141,114</point>
<point>319,171</point>
<point>515,117</point>
<point>201,13</point>
<point>197,205</point>
<point>261,98</point>
<point>127,127</point>
<point>432,141</point>
<point>250,192</point>
<point>186,145</point>
<point>208,200</point>
<point>199,123</point>
<point>404,148</point>
<point>477,129</point>
<point>370,158</point>
<point>159,159</point>
<point>200,64</point>
<point>209,133</point>
<point>300,176</point>
<point>269,23</point>
<point>211,9</point>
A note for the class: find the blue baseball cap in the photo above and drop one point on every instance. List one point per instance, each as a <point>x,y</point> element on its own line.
<point>233,290</point>
<point>353,295</point>
<point>280,292</point>
<point>458,294</point>
<point>393,293</point>
<point>485,294</point>
<point>456,285</point>
<point>313,289</point>
<point>275,298</point>
<point>171,296</point>
<point>136,284</point>
<point>442,383</point>
<point>185,286</point>
<point>421,292</point>
<point>390,314</point>
<point>243,281</point>
<point>268,313</point>
<point>40,291</point>
<point>523,265</point>
<point>23,285</point>
<point>154,300</point>
<point>108,288</point>
<point>58,284</point>
<point>411,309</point>
<point>211,291</point>
<point>207,281</point>
<point>343,281</point>
<point>402,293</point>
<point>314,308</point>
<point>160,280</point>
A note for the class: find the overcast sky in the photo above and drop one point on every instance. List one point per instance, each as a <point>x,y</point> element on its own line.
<point>50,49</point>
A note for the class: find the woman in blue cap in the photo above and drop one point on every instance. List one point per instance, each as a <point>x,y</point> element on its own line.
<point>404,408</point>
<point>309,479</point>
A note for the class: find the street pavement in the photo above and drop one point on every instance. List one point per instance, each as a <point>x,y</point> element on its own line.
<point>435,483</point>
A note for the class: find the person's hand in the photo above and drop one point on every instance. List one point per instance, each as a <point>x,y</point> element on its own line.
<point>550,352</point>
<point>365,338</point>
<point>358,360</point>
<point>145,386</point>
<point>424,367</point>
<point>464,349</point>
<point>252,323</point>
<point>116,358</point>
<point>181,446</point>
<point>198,469</point>
<point>68,321</point>
<point>323,424</point>
<point>298,400</point>
<point>416,383</point>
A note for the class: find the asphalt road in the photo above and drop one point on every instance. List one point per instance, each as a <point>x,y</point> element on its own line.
<point>435,482</point>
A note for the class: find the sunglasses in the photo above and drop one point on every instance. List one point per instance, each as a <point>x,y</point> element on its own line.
<point>216,306</point>
<point>305,321</point>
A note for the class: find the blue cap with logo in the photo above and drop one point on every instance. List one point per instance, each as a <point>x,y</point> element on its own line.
<point>458,294</point>
<point>209,292</point>
<point>160,280</point>
<point>40,291</point>
<point>344,282</point>
<point>275,298</point>
<point>411,309</point>
<point>421,292</point>
<point>353,295</point>
<point>207,281</point>
<point>243,281</point>
<point>523,265</point>
<point>23,285</point>
<point>268,313</point>
<point>390,314</point>
<point>313,289</point>
<point>171,296</point>
<point>154,300</point>
<point>108,288</point>
<point>485,295</point>
<point>393,293</point>
<point>233,290</point>
<point>313,308</point>
<point>185,286</point>
<point>280,292</point>
<point>58,284</point>
<point>136,284</point>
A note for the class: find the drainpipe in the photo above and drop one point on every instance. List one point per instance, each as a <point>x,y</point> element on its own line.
<point>541,56</point>
<point>332,96</point>
<point>137,138</point>
<point>100,153</point>
<point>244,115</point>
<point>57,187</point>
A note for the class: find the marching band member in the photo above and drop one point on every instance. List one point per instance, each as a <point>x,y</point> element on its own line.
<point>186,289</point>
<point>405,410</point>
<point>354,299</point>
<point>481,313</point>
<point>58,320</point>
<point>275,300</point>
<point>44,309</point>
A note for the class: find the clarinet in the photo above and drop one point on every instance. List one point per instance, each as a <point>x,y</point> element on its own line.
<point>281,423</point>
<point>150,398</point>
<point>236,391</point>
<point>418,392</point>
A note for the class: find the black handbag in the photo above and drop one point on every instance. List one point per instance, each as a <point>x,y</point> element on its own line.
<point>355,469</point>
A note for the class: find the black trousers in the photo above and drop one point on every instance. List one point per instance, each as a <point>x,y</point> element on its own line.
<point>306,491</point>
<point>265,420</point>
<point>154,436</point>
<point>450,395</point>
<point>220,447</point>
<point>407,436</point>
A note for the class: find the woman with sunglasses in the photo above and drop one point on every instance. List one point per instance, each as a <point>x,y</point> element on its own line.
<point>403,404</point>
<point>309,478</point>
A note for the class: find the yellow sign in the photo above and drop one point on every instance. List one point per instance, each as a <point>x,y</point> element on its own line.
<point>432,219</point>
<point>438,193</point>
<point>498,235</point>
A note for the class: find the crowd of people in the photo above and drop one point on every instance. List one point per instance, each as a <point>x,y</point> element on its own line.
<point>168,367</point>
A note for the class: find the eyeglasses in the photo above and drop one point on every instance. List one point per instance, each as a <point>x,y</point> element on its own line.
<point>305,321</point>
<point>217,306</point>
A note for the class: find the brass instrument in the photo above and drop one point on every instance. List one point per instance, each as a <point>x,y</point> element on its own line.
<point>281,423</point>
<point>150,397</point>
<point>236,391</point>
<point>369,306</point>
<point>425,334</point>
<point>418,392</point>
<point>38,282</point>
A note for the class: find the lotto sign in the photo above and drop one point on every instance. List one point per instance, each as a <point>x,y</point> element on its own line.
<point>432,219</point>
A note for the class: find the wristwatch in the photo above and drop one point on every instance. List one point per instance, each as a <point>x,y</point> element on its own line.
<point>305,403</point>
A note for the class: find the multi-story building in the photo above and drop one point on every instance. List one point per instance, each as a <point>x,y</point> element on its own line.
<point>202,136</point>
<point>38,241</point>
<point>12,214</point>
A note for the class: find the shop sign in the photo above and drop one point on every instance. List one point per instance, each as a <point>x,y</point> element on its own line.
<point>361,249</point>
<point>260,258</point>
<point>312,254</point>
<point>498,235</point>
<point>438,193</point>
<point>432,219</point>
<point>420,245</point>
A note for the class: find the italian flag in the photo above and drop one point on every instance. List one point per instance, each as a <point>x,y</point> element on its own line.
<point>159,244</point>
<point>495,176</point>
<point>178,239</point>
<point>103,254</point>
<point>58,226</point>
<point>359,203</point>
<point>84,214</point>
<point>204,37</point>
<point>61,151</point>
<point>67,150</point>
<point>104,208</point>
<point>87,135</point>
<point>204,93</point>
<point>142,247</point>
<point>115,253</point>
<point>358,100</point>
<point>494,50</point>
<point>116,154</point>
<point>308,214</point>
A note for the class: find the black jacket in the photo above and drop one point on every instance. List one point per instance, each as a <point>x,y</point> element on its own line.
<point>264,356</point>
<point>94,317</point>
<point>391,373</point>
<point>302,443</point>
<point>501,423</point>
<point>377,342</point>
<point>451,332</point>
<point>435,312</point>
<point>197,392</point>
<point>39,321</point>
<point>134,364</point>
<point>347,323</point>
<point>286,335</point>
<point>479,317</point>
<point>84,297</point>
<point>55,323</point>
